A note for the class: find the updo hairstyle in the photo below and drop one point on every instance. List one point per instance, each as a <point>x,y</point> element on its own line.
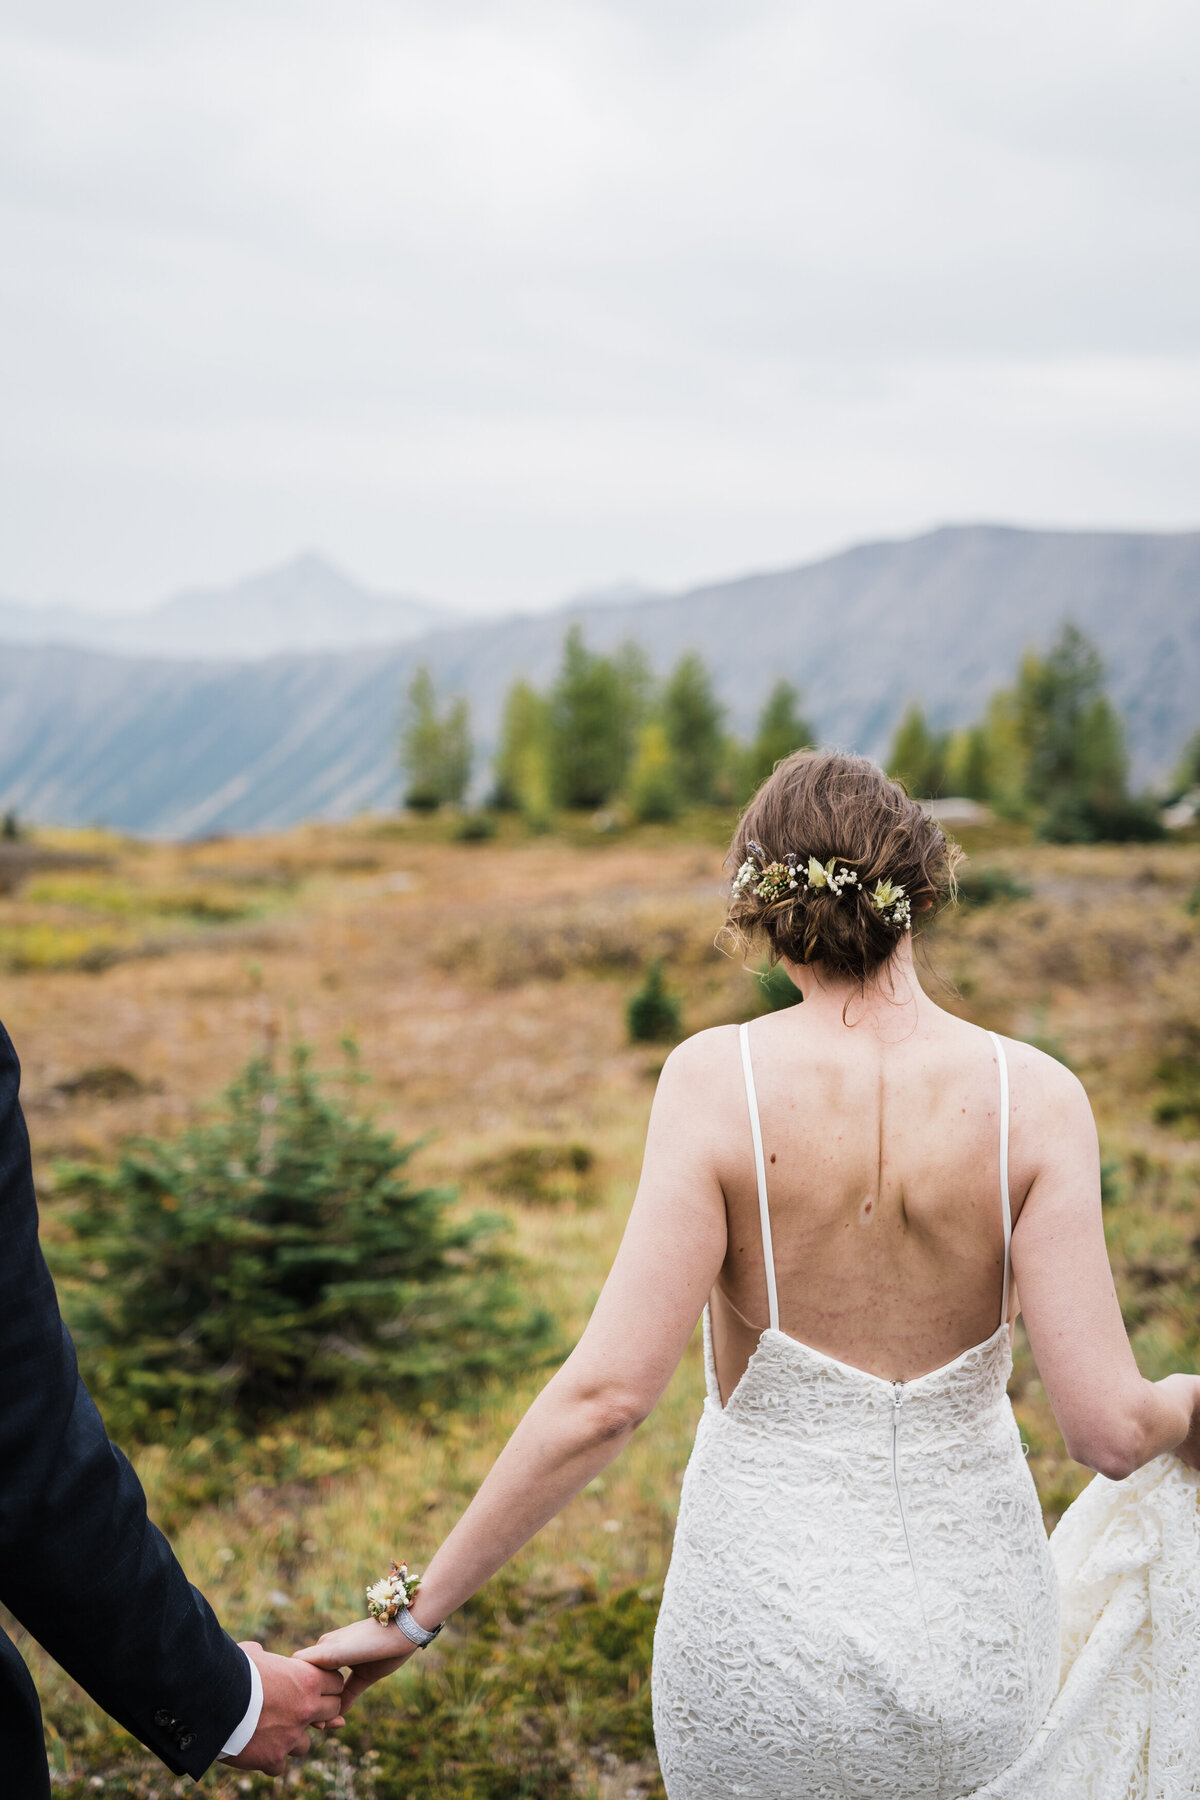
<point>824,804</point>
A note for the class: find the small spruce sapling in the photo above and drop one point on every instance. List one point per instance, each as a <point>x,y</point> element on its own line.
<point>652,1013</point>
<point>280,1254</point>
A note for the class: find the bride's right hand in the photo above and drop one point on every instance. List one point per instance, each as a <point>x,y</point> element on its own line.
<point>366,1648</point>
<point>1187,1389</point>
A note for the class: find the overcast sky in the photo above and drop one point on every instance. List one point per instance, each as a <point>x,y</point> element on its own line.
<point>493,302</point>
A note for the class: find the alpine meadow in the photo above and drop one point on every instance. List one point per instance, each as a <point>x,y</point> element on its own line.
<point>438,1043</point>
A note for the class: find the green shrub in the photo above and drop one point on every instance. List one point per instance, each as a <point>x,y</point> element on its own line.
<point>278,1254</point>
<point>1075,819</point>
<point>475,828</point>
<point>102,1081</point>
<point>988,884</point>
<point>653,1012</point>
<point>776,989</point>
<point>1178,1072</point>
<point>542,1174</point>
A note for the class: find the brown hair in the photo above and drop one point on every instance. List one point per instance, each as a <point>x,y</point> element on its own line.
<point>825,804</point>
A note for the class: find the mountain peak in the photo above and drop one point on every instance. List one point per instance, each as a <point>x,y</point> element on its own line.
<point>307,603</point>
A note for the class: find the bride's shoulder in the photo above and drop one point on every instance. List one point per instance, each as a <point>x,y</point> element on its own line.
<point>706,1057</point>
<point>697,1085</point>
<point>1042,1088</point>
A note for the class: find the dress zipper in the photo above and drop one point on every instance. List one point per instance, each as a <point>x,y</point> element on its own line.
<point>897,1403</point>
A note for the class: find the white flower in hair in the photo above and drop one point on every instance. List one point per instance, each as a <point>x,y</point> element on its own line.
<point>833,875</point>
<point>891,903</point>
<point>765,876</point>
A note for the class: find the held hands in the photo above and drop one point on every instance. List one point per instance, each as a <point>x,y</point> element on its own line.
<point>295,1696</point>
<point>1187,1389</point>
<point>307,1689</point>
<point>369,1650</point>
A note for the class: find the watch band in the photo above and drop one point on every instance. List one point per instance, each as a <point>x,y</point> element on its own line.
<point>416,1634</point>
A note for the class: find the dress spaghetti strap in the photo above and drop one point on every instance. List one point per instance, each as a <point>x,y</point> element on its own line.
<point>760,1170</point>
<point>1005,1206</point>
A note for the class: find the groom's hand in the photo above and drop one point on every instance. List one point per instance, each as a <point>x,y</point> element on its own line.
<point>364,1649</point>
<point>295,1696</point>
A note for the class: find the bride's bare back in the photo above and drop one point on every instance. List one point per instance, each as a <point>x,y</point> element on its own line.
<point>881,1143</point>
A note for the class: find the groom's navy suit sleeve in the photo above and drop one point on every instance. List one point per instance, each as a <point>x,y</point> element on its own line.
<point>81,1566</point>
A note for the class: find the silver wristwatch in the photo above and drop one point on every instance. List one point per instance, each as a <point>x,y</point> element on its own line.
<point>416,1634</point>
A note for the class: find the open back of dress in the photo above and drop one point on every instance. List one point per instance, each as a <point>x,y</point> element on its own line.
<point>861,1603</point>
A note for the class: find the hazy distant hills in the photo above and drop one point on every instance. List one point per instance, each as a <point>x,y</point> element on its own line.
<point>305,604</point>
<point>175,747</point>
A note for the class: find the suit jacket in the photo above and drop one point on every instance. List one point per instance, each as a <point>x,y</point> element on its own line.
<point>81,1566</point>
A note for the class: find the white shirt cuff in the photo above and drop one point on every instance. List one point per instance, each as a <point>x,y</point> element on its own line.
<point>249,1724</point>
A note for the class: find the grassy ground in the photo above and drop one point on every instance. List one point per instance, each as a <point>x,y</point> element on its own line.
<point>484,984</point>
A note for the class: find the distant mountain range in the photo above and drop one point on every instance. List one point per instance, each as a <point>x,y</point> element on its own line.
<point>181,748</point>
<point>305,604</point>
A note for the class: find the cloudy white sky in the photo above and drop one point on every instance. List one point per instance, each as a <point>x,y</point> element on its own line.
<point>494,301</point>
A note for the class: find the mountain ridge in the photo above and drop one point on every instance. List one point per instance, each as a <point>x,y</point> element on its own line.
<point>181,748</point>
<point>305,603</point>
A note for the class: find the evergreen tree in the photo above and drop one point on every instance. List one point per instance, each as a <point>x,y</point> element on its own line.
<point>589,733</point>
<point>653,789</point>
<point>918,755</point>
<point>435,750</point>
<point>635,697</point>
<point>277,1253</point>
<point>692,717</point>
<point>1187,773</point>
<point>457,751</point>
<point>420,743</point>
<point>969,763</point>
<point>522,764</point>
<point>781,729</point>
<point>1006,754</point>
<point>1073,739</point>
<point>652,1014</point>
<point>1076,766</point>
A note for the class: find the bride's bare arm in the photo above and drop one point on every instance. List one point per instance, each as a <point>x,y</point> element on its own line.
<point>1111,1418</point>
<point>670,1256</point>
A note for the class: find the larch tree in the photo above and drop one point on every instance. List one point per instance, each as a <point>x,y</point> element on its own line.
<point>692,718</point>
<point>781,729</point>
<point>435,747</point>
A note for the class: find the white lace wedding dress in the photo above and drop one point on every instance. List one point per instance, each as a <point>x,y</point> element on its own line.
<point>862,1603</point>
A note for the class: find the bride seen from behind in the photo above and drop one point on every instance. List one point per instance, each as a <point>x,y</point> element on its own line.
<point>854,1192</point>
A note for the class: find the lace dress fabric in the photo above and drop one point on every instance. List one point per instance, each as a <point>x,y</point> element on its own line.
<point>862,1603</point>
<point>1126,1722</point>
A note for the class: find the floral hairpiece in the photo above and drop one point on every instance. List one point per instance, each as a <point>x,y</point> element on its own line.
<point>891,903</point>
<point>774,880</point>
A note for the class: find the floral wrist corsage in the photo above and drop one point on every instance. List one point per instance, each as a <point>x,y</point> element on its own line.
<point>392,1594</point>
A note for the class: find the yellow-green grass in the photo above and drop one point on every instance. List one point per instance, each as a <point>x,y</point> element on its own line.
<point>484,984</point>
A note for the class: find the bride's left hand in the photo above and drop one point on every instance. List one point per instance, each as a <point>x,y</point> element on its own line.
<point>366,1648</point>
